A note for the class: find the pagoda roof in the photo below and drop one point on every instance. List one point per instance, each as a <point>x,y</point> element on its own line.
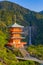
<point>18,32</point>
<point>17,25</point>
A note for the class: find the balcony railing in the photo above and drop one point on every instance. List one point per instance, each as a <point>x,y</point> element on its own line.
<point>18,37</point>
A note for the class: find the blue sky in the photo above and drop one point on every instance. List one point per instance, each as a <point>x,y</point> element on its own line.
<point>35,5</point>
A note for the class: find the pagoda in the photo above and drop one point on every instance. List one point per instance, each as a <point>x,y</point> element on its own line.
<point>16,33</point>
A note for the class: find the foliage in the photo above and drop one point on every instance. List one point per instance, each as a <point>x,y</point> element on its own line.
<point>7,56</point>
<point>36,51</point>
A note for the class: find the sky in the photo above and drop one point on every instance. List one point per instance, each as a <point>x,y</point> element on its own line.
<point>34,5</point>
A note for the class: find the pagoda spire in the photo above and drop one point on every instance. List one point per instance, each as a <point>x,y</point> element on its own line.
<point>15,18</point>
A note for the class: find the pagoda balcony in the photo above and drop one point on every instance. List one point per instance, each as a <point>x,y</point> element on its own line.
<point>17,33</point>
<point>17,37</point>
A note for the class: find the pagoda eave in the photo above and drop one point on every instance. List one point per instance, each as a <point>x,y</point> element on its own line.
<point>17,37</point>
<point>17,32</point>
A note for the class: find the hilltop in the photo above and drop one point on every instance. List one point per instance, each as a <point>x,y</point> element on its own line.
<point>41,12</point>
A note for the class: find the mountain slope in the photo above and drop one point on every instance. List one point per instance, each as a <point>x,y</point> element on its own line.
<point>23,17</point>
<point>41,12</point>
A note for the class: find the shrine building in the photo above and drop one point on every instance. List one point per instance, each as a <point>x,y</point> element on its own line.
<point>16,36</point>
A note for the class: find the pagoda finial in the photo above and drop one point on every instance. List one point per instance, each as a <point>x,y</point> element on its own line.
<point>15,18</point>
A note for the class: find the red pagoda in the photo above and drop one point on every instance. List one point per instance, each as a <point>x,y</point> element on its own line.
<point>16,32</point>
